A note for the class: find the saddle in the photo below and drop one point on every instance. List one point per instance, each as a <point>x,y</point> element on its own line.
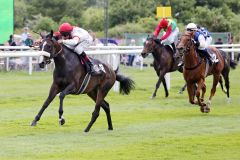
<point>97,66</point>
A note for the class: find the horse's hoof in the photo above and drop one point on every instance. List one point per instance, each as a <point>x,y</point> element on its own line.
<point>228,100</point>
<point>153,97</point>
<point>110,129</point>
<point>180,92</point>
<point>86,130</point>
<point>62,121</point>
<point>34,123</point>
<point>206,109</point>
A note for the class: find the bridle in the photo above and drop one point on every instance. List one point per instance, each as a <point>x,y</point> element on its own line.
<point>186,50</point>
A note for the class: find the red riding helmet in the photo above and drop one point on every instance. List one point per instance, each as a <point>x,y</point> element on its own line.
<point>65,27</point>
<point>163,23</point>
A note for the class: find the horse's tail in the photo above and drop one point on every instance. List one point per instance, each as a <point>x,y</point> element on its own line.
<point>233,64</point>
<point>126,84</point>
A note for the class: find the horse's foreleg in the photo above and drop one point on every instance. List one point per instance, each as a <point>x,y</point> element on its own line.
<point>201,86</point>
<point>182,89</point>
<point>69,89</point>
<point>165,86</point>
<point>190,89</point>
<point>156,87</point>
<point>53,92</point>
<point>203,92</point>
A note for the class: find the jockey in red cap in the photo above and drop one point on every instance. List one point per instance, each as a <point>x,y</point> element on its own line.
<point>79,40</point>
<point>171,32</point>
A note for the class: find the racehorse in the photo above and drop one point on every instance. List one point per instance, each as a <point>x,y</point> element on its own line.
<point>70,77</point>
<point>196,69</point>
<point>163,61</point>
<point>228,64</point>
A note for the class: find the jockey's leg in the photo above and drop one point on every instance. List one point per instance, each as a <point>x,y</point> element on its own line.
<point>174,49</point>
<point>88,63</point>
<point>205,53</point>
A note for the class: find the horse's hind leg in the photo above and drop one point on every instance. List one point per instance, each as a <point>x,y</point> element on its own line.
<point>216,78</point>
<point>226,79</point>
<point>101,93</point>
<point>221,84</point>
<point>53,92</point>
<point>105,107</point>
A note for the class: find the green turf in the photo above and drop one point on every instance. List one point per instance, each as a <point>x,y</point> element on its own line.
<point>163,128</point>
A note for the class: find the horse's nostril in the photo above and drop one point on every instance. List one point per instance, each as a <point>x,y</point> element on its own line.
<point>41,65</point>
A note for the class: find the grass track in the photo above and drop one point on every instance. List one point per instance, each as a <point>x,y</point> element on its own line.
<point>163,128</point>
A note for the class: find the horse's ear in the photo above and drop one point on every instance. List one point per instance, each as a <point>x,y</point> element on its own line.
<point>51,33</point>
<point>41,35</point>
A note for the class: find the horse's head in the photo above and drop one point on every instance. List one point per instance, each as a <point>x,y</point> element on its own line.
<point>150,45</point>
<point>50,45</point>
<point>185,42</point>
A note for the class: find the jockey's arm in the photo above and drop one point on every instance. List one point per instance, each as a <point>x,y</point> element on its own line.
<point>202,42</point>
<point>157,30</point>
<point>168,32</point>
<point>71,42</point>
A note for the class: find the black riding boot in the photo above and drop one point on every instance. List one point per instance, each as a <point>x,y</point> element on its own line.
<point>89,65</point>
<point>174,49</point>
<point>207,55</point>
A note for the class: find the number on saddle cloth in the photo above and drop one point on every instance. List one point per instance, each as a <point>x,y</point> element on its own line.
<point>98,67</point>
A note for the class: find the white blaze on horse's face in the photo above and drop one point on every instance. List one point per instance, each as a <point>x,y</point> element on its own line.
<point>41,58</point>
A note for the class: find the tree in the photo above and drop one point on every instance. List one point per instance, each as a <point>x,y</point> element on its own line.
<point>93,18</point>
<point>47,24</point>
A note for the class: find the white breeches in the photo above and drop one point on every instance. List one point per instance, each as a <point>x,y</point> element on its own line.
<point>208,41</point>
<point>82,46</point>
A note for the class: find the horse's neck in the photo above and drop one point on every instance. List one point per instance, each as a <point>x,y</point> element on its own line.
<point>157,53</point>
<point>192,58</point>
<point>67,59</point>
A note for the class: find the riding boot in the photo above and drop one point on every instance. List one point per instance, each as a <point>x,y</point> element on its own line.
<point>174,50</point>
<point>208,56</point>
<point>89,65</point>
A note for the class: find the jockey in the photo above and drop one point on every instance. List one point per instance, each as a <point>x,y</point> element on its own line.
<point>207,36</point>
<point>201,43</point>
<point>79,40</point>
<point>171,32</point>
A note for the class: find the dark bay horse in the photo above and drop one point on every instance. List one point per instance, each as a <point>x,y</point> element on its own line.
<point>69,76</point>
<point>196,69</point>
<point>163,61</point>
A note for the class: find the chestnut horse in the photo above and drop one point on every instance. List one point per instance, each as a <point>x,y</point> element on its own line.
<point>197,68</point>
<point>163,61</point>
<point>70,77</point>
